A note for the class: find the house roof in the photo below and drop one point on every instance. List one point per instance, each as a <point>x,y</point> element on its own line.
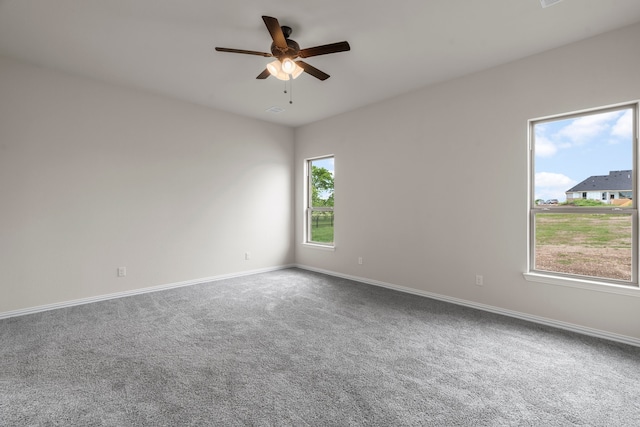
<point>615,181</point>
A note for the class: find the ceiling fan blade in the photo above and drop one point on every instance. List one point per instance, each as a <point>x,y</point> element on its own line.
<point>276,32</point>
<point>313,70</point>
<point>248,52</point>
<point>264,74</point>
<point>324,49</point>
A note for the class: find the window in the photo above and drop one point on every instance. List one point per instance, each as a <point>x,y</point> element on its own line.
<point>320,193</point>
<point>587,161</point>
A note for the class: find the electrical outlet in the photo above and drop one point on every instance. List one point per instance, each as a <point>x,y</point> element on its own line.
<point>360,260</point>
<point>122,271</point>
<point>247,256</point>
<point>479,280</point>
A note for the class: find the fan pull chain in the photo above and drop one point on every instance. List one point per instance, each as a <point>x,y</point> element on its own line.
<point>290,91</point>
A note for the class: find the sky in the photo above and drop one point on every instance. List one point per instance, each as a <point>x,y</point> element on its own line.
<point>571,150</point>
<point>327,163</point>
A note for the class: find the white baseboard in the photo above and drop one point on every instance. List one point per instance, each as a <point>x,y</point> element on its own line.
<point>515,314</point>
<point>64,304</point>
<point>510,313</point>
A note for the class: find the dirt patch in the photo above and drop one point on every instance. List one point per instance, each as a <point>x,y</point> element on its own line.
<point>611,263</point>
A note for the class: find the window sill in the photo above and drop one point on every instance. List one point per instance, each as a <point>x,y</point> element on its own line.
<point>592,285</point>
<point>319,247</point>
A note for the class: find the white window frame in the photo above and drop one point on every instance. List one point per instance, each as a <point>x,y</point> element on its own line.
<point>309,209</point>
<point>556,278</point>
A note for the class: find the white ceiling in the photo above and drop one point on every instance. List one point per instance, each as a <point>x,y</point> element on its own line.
<point>167,46</point>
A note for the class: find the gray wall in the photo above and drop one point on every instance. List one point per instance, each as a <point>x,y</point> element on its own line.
<point>431,187</point>
<point>94,177</point>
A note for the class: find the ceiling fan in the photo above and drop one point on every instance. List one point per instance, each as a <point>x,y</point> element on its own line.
<point>286,51</point>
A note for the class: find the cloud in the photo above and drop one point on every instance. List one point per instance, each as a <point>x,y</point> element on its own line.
<point>610,127</point>
<point>585,128</point>
<point>545,147</point>
<point>550,185</point>
<point>551,179</point>
<point>623,128</point>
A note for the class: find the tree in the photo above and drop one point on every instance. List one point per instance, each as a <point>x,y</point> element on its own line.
<point>321,187</point>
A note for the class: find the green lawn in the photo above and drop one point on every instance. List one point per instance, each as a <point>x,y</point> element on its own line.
<point>322,228</point>
<point>590,230</point>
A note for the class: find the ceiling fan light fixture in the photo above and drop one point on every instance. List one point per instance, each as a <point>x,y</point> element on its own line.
<point>296,71</point>
<point>288,66</point>
<point>285,70</point>
<point>274,68</point>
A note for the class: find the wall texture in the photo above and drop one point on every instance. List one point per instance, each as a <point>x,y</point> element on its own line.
<point>431,187</point>
<point>95,177</point>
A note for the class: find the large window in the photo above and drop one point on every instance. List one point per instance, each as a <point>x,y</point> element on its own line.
<point>320,194</point>
<point>583,215</point>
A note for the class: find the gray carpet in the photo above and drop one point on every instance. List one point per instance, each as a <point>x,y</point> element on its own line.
<point>296,348</point>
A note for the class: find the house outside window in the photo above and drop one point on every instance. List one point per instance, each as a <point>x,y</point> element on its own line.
<point>319,219</point>
<point>614,185</point>
<point>587,161</point>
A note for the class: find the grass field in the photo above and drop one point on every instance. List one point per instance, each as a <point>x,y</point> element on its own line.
<point>322,228</point>
<point>592,230</point>
<point>596,245</point>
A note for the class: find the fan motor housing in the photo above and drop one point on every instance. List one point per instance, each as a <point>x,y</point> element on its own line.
<point>293,48</point>
<point>291,52</point>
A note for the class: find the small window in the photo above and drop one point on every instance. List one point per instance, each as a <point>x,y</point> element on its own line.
<point>591,154</point>
<point>320,196</point>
